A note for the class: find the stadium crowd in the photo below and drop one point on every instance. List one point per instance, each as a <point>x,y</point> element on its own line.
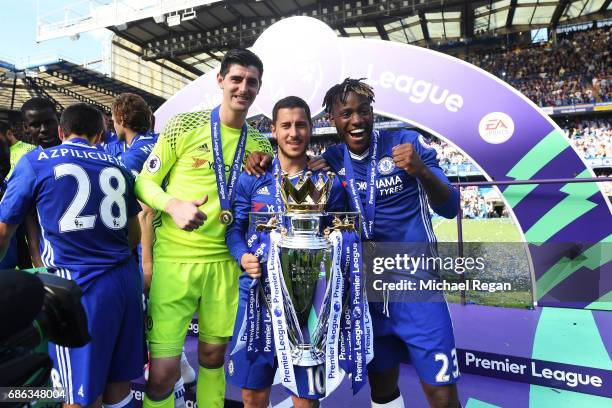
<point>592,138</point>
<point>573,70</point>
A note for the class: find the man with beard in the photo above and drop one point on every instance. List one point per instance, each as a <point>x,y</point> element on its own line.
<point>292,128</point>
<point>197,160</point>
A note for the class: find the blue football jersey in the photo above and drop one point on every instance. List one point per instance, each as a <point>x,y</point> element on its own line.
<point>402,213</point>
<point>258,194</point>
<point>136,154</point>
<point>83,198</point>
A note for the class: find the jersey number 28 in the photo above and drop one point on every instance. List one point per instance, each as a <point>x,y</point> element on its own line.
<point>72,220</point>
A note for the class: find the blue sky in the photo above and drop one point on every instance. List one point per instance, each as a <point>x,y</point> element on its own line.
<point>18,33</point>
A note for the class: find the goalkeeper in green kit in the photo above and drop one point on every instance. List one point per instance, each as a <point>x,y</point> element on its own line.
<point>198,158</point>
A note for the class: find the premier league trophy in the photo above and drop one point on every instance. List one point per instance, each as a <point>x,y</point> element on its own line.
<point>313,289</point>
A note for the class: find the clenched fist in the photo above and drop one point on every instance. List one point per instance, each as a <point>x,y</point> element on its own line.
<point>406,157</point>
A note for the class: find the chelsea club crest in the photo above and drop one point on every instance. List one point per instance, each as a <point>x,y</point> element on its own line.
<point>385,165</point>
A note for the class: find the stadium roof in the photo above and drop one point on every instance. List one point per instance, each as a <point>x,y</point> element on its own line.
<point>195,34</point>
<point>64,83</point>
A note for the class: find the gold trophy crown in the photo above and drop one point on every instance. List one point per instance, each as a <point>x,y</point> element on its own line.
<point>306,195</point>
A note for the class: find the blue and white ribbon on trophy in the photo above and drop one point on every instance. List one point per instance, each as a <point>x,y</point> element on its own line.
<point>279,320</point>
<point>345,355</point>
<point>358,308</point>
<point>356,347</point>
<point>333,372</point>
<point>258,335</point>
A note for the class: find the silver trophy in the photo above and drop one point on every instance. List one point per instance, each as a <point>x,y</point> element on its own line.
<point>305,257</point>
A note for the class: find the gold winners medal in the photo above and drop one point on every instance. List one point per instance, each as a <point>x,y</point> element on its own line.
<point>226,217</point>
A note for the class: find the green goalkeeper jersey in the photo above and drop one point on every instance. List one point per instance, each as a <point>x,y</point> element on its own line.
<point>17,151</point>
<point>181,166</point>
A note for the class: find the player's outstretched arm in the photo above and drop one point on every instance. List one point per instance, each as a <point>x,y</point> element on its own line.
<point>6,233</point>
<point>187,214</point>
<point>257,163</point>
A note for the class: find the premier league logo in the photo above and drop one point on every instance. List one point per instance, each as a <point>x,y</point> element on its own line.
<point>277,312</point>
<point>337,306</point>
<point>153,164</point>
<point>357,313</point>
<point>230,367</point>
<point>386,165</point>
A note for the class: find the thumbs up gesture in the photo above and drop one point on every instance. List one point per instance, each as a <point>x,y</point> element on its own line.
<point>186,214</point>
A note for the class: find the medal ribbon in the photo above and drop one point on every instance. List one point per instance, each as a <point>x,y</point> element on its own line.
<point>226,190</point>
<point>367,216</point>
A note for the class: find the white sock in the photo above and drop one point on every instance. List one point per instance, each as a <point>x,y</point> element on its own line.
<point>179,394</point>
<point>121,403</point>
<point>396,403</point>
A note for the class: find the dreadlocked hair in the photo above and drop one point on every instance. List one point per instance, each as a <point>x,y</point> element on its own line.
<point>339,92</point>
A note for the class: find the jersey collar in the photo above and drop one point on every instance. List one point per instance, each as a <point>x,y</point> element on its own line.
<point>79,141</point>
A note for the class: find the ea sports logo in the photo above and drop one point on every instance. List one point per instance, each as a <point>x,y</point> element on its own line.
<point>496,127</point>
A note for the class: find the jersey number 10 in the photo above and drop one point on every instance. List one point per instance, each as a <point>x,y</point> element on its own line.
<point>72,220</point>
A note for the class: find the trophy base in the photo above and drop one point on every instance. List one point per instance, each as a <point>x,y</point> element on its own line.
<point>305,355</point>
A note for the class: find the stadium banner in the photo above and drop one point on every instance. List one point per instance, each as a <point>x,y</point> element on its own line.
<point>504,133</point>
<point>603,106</point>
<point>578,108</point>
<point>561,376</point>
<point>602,162</point>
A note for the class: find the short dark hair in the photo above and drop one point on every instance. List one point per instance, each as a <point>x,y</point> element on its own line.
<point>133,112</point>
<point>82,119</point>
<point>290,102</point>
<point>339,92</point>
<point>37,103</point>
<point>241,57</point>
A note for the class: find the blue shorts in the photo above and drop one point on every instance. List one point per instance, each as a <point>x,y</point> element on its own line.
<point>259,374</point>
<point>113,305</point>
<point>419,332</point>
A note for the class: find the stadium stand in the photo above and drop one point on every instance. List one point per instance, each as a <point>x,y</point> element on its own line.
<point>573,70</point>
<point>566,72</point>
